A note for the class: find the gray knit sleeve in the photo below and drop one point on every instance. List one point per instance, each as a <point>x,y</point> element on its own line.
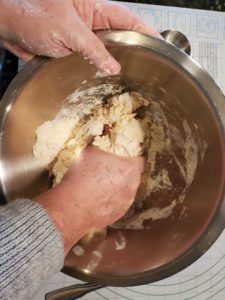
<point>31,249</point>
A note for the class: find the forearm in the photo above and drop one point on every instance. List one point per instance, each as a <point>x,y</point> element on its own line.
<point>31,249</point>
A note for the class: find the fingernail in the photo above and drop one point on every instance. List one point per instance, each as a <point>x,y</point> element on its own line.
<point>111,66</point>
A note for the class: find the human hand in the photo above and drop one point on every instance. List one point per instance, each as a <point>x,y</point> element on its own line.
<point>58,28</point>
<point>97,190</point>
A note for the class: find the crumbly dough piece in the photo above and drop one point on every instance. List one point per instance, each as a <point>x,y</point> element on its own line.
<point>124,136</point>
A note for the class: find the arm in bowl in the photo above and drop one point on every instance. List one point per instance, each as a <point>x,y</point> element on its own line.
<point>36,235</point>
<point>58,28</point>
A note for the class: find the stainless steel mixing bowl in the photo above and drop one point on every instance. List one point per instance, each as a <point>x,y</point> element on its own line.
<point>167,73</point>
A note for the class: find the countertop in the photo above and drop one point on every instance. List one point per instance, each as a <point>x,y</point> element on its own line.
<point>218,5</point>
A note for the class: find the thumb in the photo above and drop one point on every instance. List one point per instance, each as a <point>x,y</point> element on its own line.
<point>140,163</point>
<point>17,50</point>
<point>88,44</point>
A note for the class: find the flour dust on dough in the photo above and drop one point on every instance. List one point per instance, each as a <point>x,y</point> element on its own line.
<point>125,136</point>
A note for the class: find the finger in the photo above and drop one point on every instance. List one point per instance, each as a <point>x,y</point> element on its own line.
<point>85,10</point>
<point>18,51</point>
<point>110,15</point>
<point>141,164</point>
<point>57,49</point>
<point>92,48</point>
<point>138,163</point>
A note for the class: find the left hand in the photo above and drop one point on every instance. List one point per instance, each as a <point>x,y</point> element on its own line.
<point>58,28</point>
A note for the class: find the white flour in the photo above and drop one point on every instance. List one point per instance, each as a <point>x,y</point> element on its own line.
<point>52,135</point>
<point>32,8</point>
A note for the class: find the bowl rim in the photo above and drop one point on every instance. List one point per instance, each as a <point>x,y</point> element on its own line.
<point>208,86</point>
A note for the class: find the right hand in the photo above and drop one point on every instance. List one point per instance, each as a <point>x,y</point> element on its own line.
<point>105,185</point>
<point>97,190</point>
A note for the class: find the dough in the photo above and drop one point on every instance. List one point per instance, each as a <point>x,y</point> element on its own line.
<point>113,127</point>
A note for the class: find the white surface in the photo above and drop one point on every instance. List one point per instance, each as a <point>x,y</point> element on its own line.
<point>205,279</point>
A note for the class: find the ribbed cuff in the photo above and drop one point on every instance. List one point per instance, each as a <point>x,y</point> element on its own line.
<point>31,249</point>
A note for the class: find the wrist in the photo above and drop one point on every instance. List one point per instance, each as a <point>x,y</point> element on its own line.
<point>63,209</point>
